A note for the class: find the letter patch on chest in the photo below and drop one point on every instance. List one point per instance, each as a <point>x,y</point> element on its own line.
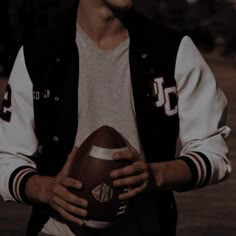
<point>5,109</point>
<point>37,95</point>
<point>164,97</point>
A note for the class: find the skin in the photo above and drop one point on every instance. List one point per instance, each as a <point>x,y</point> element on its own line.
<point>97,19</point>
<point>54,191</point>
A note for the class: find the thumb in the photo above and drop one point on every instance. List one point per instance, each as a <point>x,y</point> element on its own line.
<point>70,158</point>
<point>132,149</point>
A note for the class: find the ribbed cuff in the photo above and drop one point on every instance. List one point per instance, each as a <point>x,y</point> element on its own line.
<point>200,168</point>
<point>18,181</point>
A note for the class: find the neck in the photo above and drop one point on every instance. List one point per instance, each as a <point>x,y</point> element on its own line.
<point>101,24</point>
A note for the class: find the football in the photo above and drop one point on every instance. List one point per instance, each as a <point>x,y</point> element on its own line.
<point>92,165</point>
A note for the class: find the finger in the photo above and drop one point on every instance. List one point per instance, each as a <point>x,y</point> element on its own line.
<point>70,182</point>
<point>131,181</point>
<point>68,207</point>
<point>69,197</point>
<point>132,149</point>
<point>133,192</point>
<point>126,155</point>
<point>67,216</point>
<point>134,169</point>
<point>66,167</point>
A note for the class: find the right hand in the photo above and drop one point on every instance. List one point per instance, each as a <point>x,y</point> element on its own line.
<point>55,192</point>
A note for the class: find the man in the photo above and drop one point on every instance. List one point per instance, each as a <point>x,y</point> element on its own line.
<point>149,83</point>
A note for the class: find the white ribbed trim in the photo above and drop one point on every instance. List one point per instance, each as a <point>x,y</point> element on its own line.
<point>17,181</point>
<point>201,167</point>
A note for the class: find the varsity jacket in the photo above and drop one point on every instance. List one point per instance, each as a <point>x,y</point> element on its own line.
<point>39,116</point>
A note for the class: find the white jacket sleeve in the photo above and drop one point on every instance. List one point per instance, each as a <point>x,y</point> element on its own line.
<point>17,138</point>
<point>202,112</point>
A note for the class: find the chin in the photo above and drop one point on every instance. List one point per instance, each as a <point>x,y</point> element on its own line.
<point>119,4</point>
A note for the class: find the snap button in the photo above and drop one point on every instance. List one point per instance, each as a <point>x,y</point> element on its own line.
<point>58,59</point>
<point>55,138</point>
<point>144,55</point>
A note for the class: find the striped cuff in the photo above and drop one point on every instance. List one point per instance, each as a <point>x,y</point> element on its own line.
<point>200,167</point>
<point>18,181</point>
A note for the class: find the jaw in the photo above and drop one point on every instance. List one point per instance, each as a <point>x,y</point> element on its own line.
<point>119,5</point>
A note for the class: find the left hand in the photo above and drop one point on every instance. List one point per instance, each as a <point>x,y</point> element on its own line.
<point>134,176</point>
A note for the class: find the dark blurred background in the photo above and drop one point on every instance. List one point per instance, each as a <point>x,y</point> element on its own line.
<point>210,23</point>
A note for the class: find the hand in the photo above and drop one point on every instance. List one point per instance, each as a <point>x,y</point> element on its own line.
<point>134,176</point>
<point>55,192</point>
<point>67,204</point>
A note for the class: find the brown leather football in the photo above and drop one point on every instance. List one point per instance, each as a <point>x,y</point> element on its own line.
<point>92,165</point>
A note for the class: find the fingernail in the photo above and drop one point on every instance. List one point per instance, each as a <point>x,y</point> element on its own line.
<point>85,213</point>
<point>112,174</point>
<point>79,185</point>
<point>116,183</point>
<point>85,203</point>
<point>81,223</point>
